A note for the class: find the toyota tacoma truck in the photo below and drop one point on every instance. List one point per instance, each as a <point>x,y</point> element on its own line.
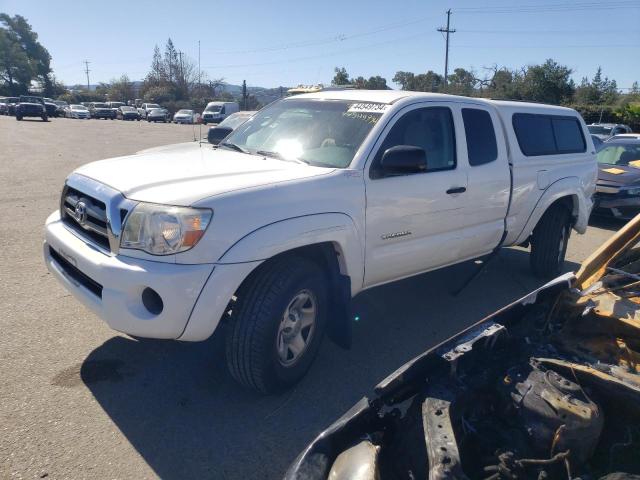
<point>314,199</point>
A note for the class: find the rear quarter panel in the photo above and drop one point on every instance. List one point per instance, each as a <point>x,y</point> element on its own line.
<point>540,180</point>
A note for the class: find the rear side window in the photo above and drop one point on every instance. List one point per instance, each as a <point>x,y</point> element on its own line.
<point>568,135</point>
<point>548,134</point>
<point>481,137</point>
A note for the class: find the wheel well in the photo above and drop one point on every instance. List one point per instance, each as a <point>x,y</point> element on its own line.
<point>329,257</point>
<point>570,202</point>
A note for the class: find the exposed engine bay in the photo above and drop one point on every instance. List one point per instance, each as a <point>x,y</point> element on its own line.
<point>547,388</point>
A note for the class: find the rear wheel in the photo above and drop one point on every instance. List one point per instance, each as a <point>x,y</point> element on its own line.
<point>277,325</point>
<point>549,242</point>
<point>45,118</point>
<point>18,117</point>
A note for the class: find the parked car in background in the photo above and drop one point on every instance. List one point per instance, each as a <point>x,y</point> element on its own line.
<point>216,112</point>
<point>146,108</point>
<point>547,387</point>
<point>30,106</point>
<point>618,186</point>
<point>223,129</point>
<point>78,111</point>
<point>184,116</point>
<point>4,108</point>
<point>290,217</point>
<point>159,115</point>
<point>127,113</point>
<point>114,106</point>
<point>622,136</point>
<point>101,110</point>
<point>51,108</point>
<point>11,105</point>
<point>607,130</point>
<point>61,107</point>
<point>597,141</point>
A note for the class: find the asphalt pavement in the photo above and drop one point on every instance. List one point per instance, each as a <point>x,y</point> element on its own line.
<point>78,400</point>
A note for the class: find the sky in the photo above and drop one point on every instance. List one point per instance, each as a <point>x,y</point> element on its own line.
<point>288,43</point>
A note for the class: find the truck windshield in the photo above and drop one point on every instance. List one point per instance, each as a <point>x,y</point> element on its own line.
<point>213,108</point>
<point>325,133</point>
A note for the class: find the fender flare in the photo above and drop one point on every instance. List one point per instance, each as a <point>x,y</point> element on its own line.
<point>564,187</point>
<point>278,237</point>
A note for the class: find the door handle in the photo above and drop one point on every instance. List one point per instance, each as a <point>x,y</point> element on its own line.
<point>453,190</point>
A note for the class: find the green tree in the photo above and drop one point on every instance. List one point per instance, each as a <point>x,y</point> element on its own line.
<point>599,91</point>
<point>22,36</point>
<point>15,69</point>
<point>461,82</point>
<point>548,83</point>
<point>423,82</point>
<point>341,77</point>
<point>121,89</point>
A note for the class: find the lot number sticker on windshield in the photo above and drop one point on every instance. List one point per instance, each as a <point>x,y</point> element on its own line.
<point>368,108</point>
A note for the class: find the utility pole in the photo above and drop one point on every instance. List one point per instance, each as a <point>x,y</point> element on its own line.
<point>181,68</point>
<point>446,54</point>
<point>244,94</point>
<point>86,70</point>
<point>199,81</point>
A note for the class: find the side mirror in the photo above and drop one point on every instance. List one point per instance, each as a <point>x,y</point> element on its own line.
<point>217,134</point>
<point>404,159</point>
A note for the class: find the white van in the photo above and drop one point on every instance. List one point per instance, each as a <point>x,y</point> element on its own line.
<point>215,112</point>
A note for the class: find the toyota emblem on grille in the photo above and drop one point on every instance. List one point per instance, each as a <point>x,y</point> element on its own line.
<point>80,213</point>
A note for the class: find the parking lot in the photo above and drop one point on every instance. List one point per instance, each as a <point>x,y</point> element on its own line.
<point>78,400</point>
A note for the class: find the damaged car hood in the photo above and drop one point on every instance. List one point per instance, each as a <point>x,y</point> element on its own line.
<point>546,387</point>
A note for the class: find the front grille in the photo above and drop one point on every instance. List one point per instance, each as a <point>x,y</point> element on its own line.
<point>73,272</point>
<point>86,215</point>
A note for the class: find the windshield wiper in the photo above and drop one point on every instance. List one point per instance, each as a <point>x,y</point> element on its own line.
<point>233,146</point>
<point>278,156</point>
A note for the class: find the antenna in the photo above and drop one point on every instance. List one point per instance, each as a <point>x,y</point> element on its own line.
<point>86,70</point>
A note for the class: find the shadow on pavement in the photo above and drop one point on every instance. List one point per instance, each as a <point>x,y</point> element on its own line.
<point>186,417</point>
<point>607,223</point>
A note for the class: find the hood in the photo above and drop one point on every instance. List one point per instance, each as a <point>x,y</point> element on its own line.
<point>618,175</point>
<point>183,174</point>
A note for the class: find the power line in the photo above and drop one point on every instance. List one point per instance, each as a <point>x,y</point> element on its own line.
<point>325,40</point>
<point>446,52</point>
<point>86,70</point>
<point>550,7</point>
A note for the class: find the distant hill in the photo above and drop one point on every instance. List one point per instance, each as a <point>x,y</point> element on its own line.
<point>262,94</point>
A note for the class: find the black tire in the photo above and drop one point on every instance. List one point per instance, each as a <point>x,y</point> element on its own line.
<point>18,117</point>
<point>252,337</point>
<point>45,118</point>
<point>549,242</point>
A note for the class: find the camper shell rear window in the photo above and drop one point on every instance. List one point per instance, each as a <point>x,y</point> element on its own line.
<point>542,134</point>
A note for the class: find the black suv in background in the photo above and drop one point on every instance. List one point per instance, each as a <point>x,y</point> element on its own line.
<point>11,105</point>
<point>101,110</point>
<point>29,106</point>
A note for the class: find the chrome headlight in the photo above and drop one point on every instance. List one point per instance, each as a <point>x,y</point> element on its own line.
<point>163,229</point>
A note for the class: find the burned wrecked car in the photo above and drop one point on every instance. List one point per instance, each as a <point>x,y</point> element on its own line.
<point>546,388</point>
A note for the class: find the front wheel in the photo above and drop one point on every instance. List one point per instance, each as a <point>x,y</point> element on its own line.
<point>18,117</point>
<point>278,322</point>
<point>549,242</point>
<point>45,118</point>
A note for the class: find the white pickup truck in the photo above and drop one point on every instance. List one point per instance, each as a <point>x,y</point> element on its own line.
<point>314,199</point>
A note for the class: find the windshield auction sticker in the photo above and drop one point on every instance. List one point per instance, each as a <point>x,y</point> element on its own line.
<point>368,108</point>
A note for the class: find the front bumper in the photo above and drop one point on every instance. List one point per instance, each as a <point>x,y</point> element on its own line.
<point>195,297</point>
<point>112,286</point>
<point>623,207</point>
